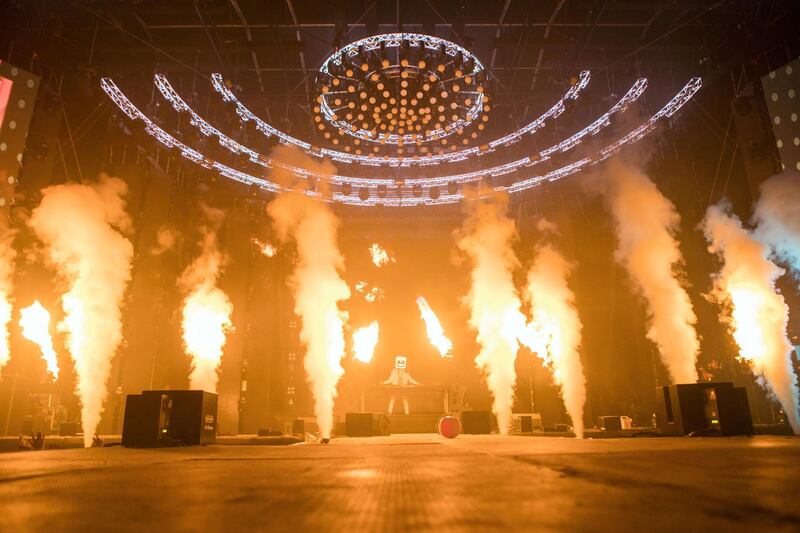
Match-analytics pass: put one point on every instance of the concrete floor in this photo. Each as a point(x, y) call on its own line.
point(411, 482)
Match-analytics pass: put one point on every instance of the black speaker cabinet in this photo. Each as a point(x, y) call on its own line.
point(367, 425)
point(609, 423)
point(169, 418)
point(711, 408)
point(476, 422)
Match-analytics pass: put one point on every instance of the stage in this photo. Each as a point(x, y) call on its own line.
point(411, 482)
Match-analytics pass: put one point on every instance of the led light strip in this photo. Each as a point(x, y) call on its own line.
point(672, 107)
point(246, 115)
point(632, 95)
point(171, 142)
point(676, 103)
point(394, 40)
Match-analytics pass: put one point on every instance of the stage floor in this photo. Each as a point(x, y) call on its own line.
point(411, 482)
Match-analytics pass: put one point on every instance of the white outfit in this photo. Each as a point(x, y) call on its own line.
point(400, 378)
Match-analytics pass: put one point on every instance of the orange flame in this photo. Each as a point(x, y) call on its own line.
point(206, 322)
point(35, 323)
point(434, 328)
point(364, 341)
point(371, 294)
point(265, 248)
point(379, 255)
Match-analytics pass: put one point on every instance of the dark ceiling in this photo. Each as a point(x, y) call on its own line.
point(272, 48)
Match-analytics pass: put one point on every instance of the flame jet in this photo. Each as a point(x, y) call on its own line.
point(7, 258)
point(646, 223)
point(434, 328)
point(206, 308)
point(265, 248)
point(316, 282)
point(759, 315)
point(80, 226)
point(486, 237)
point(777, 214)
point(379, 255)
point(555, 317)
point(364, 341)
point(34, 321)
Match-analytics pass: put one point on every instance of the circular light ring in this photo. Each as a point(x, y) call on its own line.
point(556, 110)
point(669, 110)
point(208, 130)
point(396, 40)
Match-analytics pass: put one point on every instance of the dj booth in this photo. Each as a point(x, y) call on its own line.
point(422, 399)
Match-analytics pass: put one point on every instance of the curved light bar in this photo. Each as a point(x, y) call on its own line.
point(180, 105)
point(127, 107)
point(394, 40)
point(672, 107)
point(417, 198)
point(246, 115)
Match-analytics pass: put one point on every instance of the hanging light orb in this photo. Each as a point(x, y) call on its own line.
point(391, 84)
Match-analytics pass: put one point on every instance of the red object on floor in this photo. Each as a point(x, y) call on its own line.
point(449, 426)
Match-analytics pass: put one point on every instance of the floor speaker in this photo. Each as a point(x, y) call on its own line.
point(366, 425)
point(476, 422)
point(708, 408)
point(169, 418)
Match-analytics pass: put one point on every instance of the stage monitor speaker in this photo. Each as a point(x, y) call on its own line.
point(708, 408)
point(609, 423)
point(367, 425)
point(140, 426)
point(476, 422)
point(170, 418)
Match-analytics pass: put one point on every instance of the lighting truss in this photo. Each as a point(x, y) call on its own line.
point(394, 40)
point(672, 107)
point(208, 130)
point(390, 196)
point(167, 140)
point(554, 112)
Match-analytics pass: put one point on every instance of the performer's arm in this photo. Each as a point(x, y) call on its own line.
point(392, 378)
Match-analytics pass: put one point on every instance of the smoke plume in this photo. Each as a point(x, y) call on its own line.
point(555, 317)
point(317, 284)
point(80, 226)
point(759, 315)
point(206, 308)
point(646, 223)
point(486, 237)
point(166, 237)
point(777, 214)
